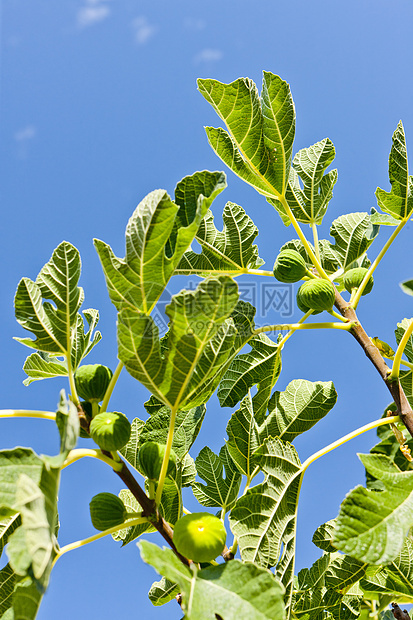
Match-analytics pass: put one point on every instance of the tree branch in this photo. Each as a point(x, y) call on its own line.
point(403, 407)
point(398, 613)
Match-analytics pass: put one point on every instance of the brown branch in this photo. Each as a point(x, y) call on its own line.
point(398, 613)
point(149, 509)
point(403, 407)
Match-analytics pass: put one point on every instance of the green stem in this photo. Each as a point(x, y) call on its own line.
point(301, 235)
point(80, 453)
point(111, 387)
point(338, 316)
point(151, 489)
point(297, 326)
point(25, 413)
point(258, 272)
point(95, 408)
point(165, 461)
point(359, 431)
point(398, 355)
point(86, 541)
point(73, 391)
point(376, 262)
point(315, 238)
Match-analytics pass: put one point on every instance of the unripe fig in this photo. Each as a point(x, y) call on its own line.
point(199, 536)
point(107, 510)
point(110, 430)
point(354, 277)
point(289, 266)
point(92, 381)
point(150, 457)
point(317, 294)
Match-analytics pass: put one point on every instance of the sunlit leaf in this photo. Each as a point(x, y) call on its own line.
point(395, 579)
point(228, 250)
point(162, 592)
point(243, 437)
point(232, 590)
point(219, 490)
point(264, 518)
point(297, 409)
point(262, 365)
point(399, 201)
point(258, 145)
point(196, 351)
point(309, 203)
point(156, 239)
point(353, 234)
point(372, 525)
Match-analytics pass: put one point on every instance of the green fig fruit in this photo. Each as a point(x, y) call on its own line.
point(317, 294)
point(289, 266)
point(150, 457)
point(354, 277)
point(200, 536)
point(110, 430)
point(107, 510)
point(92, 380)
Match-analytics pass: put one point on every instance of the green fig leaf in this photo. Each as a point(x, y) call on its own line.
point(258, 144)
point(372, 525)
point(219, 490)
point(399, 201)
point(231, 590)
point(196, 351)
point(137, 281)
point(229, 250)
point(309, 204)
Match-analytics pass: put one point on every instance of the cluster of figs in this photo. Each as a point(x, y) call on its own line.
point(198, 536)
point(315, 293)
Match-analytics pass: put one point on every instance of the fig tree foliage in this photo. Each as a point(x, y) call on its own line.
point(251, 487)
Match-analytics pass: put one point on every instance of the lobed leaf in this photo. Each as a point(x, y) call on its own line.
point(372, 525)
point(49, 308)
point(310, 203)
point(395, 579)
point(264, 518)
point(229, 250)
point(162, 592)
point(243, 437)
point(297, 409)
point(262, 366)
point(219, 490)
point(196, 350)
point(353, 234)
point(157, 235)
point(232, 590)
point(41, 365)
point(399, 201)
point(258, 144)
point(315, 600)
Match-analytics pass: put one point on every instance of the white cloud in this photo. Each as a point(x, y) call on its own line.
point(94, 11)
point(25, 133)
point(23, 137)
point(208, 55)
point(143, 30)
point(193, 23)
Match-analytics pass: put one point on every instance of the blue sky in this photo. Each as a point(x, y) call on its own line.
point(99, 106)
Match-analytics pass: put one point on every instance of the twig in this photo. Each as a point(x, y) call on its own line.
point(398, 613)
point(403, 408)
